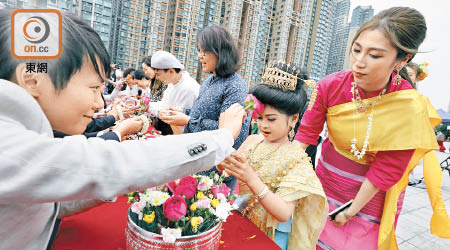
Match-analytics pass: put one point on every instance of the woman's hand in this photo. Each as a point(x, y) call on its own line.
point(340, 219)
point(174, 117)
point(237, 166)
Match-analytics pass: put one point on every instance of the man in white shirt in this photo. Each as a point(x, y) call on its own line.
point(182, 90)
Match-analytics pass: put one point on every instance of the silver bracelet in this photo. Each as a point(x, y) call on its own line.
point(263, 193)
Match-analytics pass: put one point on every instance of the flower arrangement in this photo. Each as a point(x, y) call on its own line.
point(423, 71)
point(188, 206)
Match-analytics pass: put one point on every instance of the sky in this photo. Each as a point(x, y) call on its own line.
point(435, 49)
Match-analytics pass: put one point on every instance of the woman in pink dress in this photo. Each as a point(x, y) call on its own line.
point(372, 115)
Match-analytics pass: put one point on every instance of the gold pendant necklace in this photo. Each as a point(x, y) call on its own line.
point(360, 106)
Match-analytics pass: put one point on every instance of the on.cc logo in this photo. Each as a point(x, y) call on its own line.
point(36, 29)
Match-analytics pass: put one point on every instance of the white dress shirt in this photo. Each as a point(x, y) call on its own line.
point(180, 95)
point(133, 91)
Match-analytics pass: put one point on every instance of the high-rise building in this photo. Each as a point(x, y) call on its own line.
point(19, 3)
point(339, 36)
point(96, 12)
point(299, 32)
point(62, 5)
point(295, 31)
point(273, 30)
point(351, 34)
point(254, 33)
point(321, 38)
point(360, 15)
point(139, 29)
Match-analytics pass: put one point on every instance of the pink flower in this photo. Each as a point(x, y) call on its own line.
point(138, 206)
point(174, 208)
point(224, 189)
point(253, 105)
point(203, 203)
point(187, 186)
point(202, 186)
point(146, 100)
point(135, 208)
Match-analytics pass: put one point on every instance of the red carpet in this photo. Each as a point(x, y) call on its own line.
point(103, 228)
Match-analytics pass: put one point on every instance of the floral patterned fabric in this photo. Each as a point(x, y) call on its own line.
point(157, 95)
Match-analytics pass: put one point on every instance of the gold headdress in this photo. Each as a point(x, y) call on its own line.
point(278, 78)
point(281, 79)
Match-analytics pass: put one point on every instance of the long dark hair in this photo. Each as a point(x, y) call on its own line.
point(155, 84)
point(218, 40)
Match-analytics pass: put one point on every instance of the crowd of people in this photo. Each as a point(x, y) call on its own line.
point(60, 134)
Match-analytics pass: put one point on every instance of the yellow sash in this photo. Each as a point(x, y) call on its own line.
point(401, 120)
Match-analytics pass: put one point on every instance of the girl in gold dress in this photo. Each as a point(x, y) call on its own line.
point(279, 190)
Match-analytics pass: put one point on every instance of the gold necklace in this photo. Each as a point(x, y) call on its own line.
point(356, 97)
point(252, 153)
point(359, 106)
point(252, 162)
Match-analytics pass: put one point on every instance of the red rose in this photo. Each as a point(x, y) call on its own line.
point(174, 208)
point(187, 186)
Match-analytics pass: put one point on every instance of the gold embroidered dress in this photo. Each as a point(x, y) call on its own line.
point(288, 172)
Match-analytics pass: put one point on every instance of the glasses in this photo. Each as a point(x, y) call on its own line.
point(201, 53)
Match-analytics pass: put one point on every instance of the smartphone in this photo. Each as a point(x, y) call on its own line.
point(335, 212)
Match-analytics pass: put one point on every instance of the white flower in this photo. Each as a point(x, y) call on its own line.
point(205, 183)
point(170, 235)
point(147, 196)
point(221, 197)
point(154, 197)
point(156, 201)
point(164, 196)
point(223, 210)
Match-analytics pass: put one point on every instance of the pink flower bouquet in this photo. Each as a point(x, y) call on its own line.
point(189, 206)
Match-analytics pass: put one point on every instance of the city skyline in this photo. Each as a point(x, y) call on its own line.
point(314, 34)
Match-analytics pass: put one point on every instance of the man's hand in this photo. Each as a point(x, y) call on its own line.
point(114, 112)
point(232, 119)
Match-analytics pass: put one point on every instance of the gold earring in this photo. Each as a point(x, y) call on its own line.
point(398, 78)
point(291, 134)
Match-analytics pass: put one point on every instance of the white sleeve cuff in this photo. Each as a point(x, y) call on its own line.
point(224, 138)
point(118, 135)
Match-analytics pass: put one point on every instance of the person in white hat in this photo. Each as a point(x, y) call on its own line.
point(180, 94)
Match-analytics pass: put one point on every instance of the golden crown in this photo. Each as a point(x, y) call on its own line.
point(280, 79)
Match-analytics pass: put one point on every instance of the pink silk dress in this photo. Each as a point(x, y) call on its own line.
point(341, 177)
